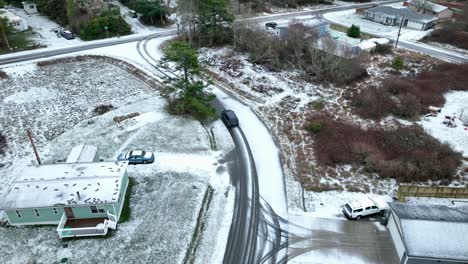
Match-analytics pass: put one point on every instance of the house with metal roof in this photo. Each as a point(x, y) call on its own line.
point(391, 16)
point(425, 234)
point(83, 199)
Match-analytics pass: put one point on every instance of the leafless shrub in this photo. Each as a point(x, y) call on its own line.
point(102, 109)
point(407, 154)
point(298, 50)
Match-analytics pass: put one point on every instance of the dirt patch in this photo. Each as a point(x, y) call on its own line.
point(119, 119)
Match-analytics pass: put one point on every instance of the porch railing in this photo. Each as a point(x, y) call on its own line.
point(64, 231)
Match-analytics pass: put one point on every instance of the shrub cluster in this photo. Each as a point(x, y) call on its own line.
point(96, 28)
point(354, 31)
point(382, 49)
point(102, 109)
point(407, 154)
point(3, 75)
point(410, 97)
point(450, 36)
point(296, 51)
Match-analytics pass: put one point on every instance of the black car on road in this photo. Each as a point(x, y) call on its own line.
point(229, 118)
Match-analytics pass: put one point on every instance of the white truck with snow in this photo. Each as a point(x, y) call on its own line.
point(364, 207)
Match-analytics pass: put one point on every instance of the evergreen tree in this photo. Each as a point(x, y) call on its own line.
point(354, 31)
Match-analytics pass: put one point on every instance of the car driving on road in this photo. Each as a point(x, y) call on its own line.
point(229, 118)
point(364, 207)
point(137, 157)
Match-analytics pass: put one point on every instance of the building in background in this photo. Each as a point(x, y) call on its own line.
point(429, 234)
point(391, 16)
point(15, 21)
point(426, 7)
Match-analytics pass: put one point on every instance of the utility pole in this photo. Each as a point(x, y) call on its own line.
point(399, 30)
point(34, 147)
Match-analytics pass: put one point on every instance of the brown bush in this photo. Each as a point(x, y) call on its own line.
point(3, 75)
point(407, 154)
point(410, 97)
point(102, 109)
point(373, 103)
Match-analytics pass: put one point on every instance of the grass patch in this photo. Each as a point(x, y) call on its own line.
point(126, 210)
point(19, 41)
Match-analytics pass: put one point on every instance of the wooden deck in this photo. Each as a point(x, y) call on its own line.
point(81, 223)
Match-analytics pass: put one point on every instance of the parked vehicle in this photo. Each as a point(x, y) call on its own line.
point(229, 118)
point(67, 34)
point(364, 207)
point(271, 25)
point(137, 157)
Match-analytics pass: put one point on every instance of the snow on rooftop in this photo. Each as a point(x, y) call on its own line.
point(66, 184)
point(426, 238)
point(9, 15)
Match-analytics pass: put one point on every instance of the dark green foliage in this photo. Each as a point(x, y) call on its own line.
point(191, 99)
point(354, 31)
point(407, 154)
point(95, 29)
point(185, 57)
point(314, 127)
point(2, 3)
point(152, 13)
point(55, 9)
point(126, 209)
point(188, 97)
point(398, 64)
point(16, 40)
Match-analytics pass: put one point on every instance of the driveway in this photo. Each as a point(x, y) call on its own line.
point(321, 240)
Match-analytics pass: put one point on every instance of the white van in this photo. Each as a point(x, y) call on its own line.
point(363, 207)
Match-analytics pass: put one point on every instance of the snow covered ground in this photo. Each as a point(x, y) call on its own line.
point(437, 201)
point(456, 104)
point(56, 103)
point(349, 17)
point(42, 26)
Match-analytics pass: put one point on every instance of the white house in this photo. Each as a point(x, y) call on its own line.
point(30, 8)
point(15, 21)
point(390, 16)
point(426, 7)
point(429, 234)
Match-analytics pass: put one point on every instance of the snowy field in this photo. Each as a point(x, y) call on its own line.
point(456, 104)
point(281, 99)
point(42, 27)
point(349, 17)
point(167, 195)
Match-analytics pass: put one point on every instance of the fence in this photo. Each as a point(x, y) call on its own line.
point(430, 191)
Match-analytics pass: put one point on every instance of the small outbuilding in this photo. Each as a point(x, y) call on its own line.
point(429, 234)
point(15, 21)
point(83, 199)
point(30, 8)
